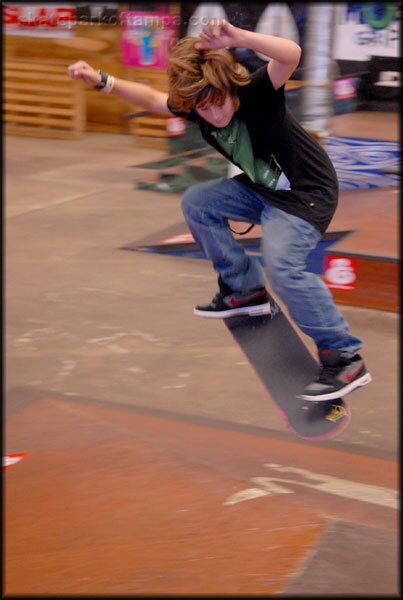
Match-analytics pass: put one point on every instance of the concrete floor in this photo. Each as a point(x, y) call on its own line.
point(144, 424)
point(85, 318)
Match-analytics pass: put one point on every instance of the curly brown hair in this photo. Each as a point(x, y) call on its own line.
point(202, 77)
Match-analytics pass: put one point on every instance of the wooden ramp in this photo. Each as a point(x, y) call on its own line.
point(114, 500)
point(372, 218)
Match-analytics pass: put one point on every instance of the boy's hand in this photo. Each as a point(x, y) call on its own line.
point(219, 34)
point(82, 70)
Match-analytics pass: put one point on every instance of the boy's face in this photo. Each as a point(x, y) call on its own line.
point(218, 115)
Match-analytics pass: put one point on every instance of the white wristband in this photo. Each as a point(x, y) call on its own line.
point(110, 82)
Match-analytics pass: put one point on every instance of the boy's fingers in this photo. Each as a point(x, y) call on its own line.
point(202, 46)
point(206, 34)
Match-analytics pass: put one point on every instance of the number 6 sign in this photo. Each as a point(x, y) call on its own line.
point(340, 272)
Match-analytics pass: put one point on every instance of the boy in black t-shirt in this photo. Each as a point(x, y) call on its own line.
point(246, 119)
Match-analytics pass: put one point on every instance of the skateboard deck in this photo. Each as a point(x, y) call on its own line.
point(285, 366)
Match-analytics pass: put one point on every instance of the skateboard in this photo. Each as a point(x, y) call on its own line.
point(285, 366)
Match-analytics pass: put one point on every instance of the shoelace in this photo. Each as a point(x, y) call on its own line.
point(216, 298)
point(328, 373)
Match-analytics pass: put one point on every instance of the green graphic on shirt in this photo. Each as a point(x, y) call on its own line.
point(235, 140)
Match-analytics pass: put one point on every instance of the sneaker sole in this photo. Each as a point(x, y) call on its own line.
point(250, 311)
point(339, 393)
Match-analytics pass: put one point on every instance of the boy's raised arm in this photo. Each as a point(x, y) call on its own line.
point(135, 93)
point(284, 54)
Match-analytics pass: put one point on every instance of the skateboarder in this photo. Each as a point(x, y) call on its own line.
point(244, 116)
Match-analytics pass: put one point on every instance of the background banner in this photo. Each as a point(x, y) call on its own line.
point(145, 38)
point(39, 19)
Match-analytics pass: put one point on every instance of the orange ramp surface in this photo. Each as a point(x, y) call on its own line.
point(115, 500)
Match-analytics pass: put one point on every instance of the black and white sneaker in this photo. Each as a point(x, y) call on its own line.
point(339, 375)
point(230, 304)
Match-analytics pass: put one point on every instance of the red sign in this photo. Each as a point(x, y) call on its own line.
point(11, 459)
point(179, 239)
point(176, 126)
point(340, 272)
point(344, 88)
point(53, 20)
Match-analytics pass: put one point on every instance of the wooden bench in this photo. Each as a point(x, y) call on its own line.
point(41, 101)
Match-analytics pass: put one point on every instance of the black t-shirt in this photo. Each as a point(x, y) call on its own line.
point(263, 139)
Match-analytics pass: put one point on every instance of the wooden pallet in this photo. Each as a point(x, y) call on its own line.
point(150, 130)
point(40, 100)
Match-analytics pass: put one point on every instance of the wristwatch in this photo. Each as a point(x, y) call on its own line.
point(102, 83)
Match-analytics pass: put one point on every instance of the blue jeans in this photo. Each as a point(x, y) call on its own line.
point(286, 242)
